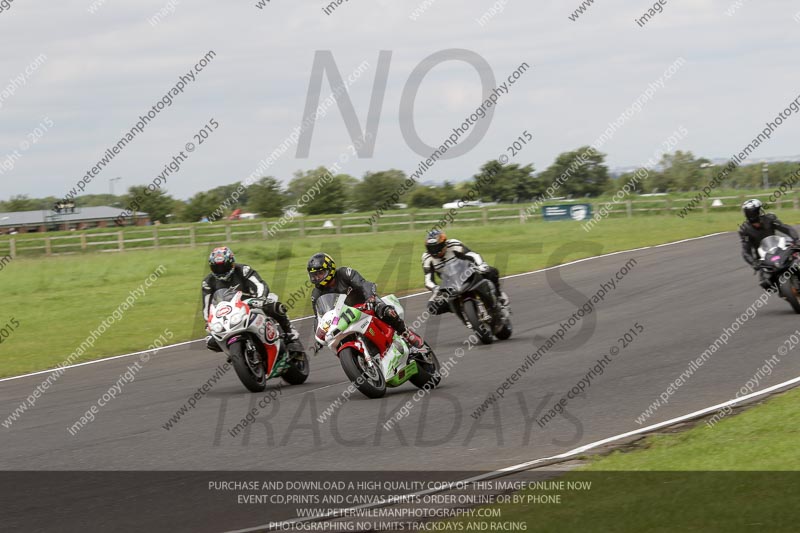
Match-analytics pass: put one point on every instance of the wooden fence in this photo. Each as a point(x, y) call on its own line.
point(193, 235)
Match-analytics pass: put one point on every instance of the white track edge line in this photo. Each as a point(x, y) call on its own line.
point(111, 358)
point(338, 513)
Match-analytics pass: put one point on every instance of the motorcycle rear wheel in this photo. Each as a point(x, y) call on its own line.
point(427, 375)
point(505, 331)
point(371, 383)
point(298, 370)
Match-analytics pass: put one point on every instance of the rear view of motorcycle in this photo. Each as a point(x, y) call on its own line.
point(475, 301)
point(780, 259)
point(253, 342)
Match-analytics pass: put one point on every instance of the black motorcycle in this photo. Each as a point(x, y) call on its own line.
point(779, 259)
point(474, 300)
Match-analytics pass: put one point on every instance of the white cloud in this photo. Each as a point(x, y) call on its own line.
point(107, 68)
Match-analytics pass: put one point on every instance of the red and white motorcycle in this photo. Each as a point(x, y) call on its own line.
point(253, 342)
point(372, 354)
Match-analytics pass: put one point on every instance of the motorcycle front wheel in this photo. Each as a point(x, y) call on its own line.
point(368, 380)
point(483, 332)
point(789, 291)
point(248, 366)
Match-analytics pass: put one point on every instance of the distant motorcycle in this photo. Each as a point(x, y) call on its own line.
point(372, 354)
point(779, 258)
point(474, 300)
point(253, 342)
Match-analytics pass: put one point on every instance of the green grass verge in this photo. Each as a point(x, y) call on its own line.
point(58, 301)
point(178, 234)
point(740, 475)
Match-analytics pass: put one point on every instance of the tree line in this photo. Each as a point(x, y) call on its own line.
point(511, 183)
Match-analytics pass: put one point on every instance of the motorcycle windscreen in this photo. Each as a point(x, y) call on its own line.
point(327, 302)
point(324, 305)
point(456, 273)
point(224, 295)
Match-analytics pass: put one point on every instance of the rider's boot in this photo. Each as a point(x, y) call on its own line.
point(503, 299)
point(500, 313)
point(414, 341)
point(291, 335)
point(292, 339)
point(212, 345)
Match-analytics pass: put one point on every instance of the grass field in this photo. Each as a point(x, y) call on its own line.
point(182, 234)
point(740, 475)
point(58, 301)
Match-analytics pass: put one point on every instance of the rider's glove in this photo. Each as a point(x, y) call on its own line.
point(440, 295)
point(483, 268)
point(371, 302)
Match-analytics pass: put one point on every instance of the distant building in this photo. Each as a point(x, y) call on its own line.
point(78, 218)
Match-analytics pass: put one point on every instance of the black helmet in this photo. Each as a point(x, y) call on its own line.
point(222, 262)
point(321, 269)
point(753, 209)
point(435, 242)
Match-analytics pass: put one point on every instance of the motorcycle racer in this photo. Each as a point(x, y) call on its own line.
point(327, 279)
point(226, 273)
point(438, 251)
point(757, 226)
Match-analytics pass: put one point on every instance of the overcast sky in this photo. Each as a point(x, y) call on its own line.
point(104, 69)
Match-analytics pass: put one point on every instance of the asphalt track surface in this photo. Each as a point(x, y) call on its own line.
point(683, 295)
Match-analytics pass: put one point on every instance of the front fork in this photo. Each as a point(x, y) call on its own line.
point(359, 344)
point(367, 356)
point(249, 351)
point(794, 282)
point(483, 313)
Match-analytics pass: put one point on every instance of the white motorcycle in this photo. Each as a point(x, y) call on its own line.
point(253, 342)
